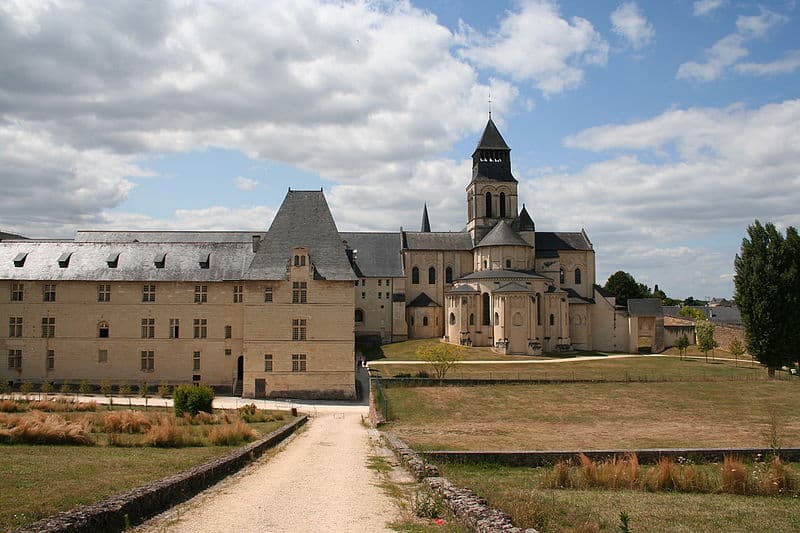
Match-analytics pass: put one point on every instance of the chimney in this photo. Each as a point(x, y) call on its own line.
point(256, 242)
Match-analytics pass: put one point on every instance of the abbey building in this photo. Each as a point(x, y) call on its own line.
point(277, 313)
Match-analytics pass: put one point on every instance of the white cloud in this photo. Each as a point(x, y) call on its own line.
point(245, 184)
point(789, 63)
point(731, 48)
point(702, 8)
point(629, 23)
point(534, 43)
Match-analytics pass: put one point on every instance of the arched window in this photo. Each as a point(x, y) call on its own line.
point(359, 315)
point(502, 205)
point(538, 309)
point(452, 319)
point(297, 260)
point(577, 276)
point(561, 275)
point(517, 319)
point(552, 319)
point(488, 205)
point(497, 319)
point(102, 330)
point(448, 275)
point(424, 321)
point(484, 264)
point(508, 263)
point(411, 320)
point(487, 313)
point(431, 276)
point(472, 319)
point(415, 276)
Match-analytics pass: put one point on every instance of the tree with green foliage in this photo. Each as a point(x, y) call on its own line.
point(767, 285)
point(682, 344)
point(736, 348)
point(143, 392)
point(84, 387)
point(624, 287)
point(192, 399)
point(26, 388)
point(65, 388)
point(46, 388)
point(442, 356)
point(105, 390)
point(3, 388)
point(692, 313)
point(125, 391)
point(705, 336)
point(164, 389)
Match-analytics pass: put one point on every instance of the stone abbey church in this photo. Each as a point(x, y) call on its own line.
point(276, 313)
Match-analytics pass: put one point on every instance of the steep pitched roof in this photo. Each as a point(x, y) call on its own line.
point(491, 138)
point(524, 222)
point(166, 236)
point(502, 235)
point(415, 240)
point(423, 300)
point(303, 219)
point(377, 254)
point(10, 236)
point(645, 307)
point(548, 240)
point(426, 224)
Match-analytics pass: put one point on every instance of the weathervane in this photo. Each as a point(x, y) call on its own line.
point(490, 103)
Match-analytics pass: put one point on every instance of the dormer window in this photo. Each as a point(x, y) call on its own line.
point(63, 260)
point(19, 260)
point(205, 260)
point(160, 260)
point(113, 260)
point(299, 260)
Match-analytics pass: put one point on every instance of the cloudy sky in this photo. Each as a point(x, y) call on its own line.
point(664, 127)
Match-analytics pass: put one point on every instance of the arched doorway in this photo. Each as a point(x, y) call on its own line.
point(237, 391)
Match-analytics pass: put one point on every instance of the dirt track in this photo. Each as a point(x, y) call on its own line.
point(318, 481)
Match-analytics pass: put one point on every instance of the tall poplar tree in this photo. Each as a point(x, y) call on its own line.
point(768, 294)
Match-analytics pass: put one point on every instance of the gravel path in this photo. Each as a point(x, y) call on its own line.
point(318, 481)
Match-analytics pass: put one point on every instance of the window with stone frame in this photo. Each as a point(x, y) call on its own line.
point(268, 295)
point(148, 293)
point(50, 362)
point(228, 332)
point(104, 292)
point(415, 276)
point(148, 328)
point(148, 361)
point(448, 275)
point(267, 362)
point(299, 329)
point(102, 356)
point(577, 276)
point(15, 326)
point(15, 359)
point(299, 292)
point(17, 292)
point(196, 362)
point(48, 327)
point(200, 294)
point(238, 294)
point(431, 276)
point(298, 362)
point(49, 292)
point(200, 328)
point(562, 277)
point(174, 328)
point(102, 330)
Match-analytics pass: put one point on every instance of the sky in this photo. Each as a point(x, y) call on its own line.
point(662, 127)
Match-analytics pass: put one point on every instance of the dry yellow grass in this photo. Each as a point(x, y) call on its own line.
point(38, 428)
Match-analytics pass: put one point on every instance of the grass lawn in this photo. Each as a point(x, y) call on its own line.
point(407, 351)
point(39, 480)
point(516, 491)
point(649, 368)
point(595, 416)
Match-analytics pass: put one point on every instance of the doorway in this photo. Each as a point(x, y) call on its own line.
point(240, 368)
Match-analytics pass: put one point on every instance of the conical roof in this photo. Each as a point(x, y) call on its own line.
point(491, 138)
point(524, 221)
point(426, 224)
point(502, 235)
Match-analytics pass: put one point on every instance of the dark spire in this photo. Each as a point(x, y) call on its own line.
point(426, 224)
point(491, 159)
point(525, 221)
point(491, 138)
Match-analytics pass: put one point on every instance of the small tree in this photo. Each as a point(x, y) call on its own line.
point(84, 387)
point(46, 388)
point(692, 313)
point(65, 388)
point(3, 388)
point(105, 390)
point(143, 391)
point(681, 344)
point(441, 356)
point(164, 390)
point(192, 399)
point(126, 391)
point(26, 388)
point(705, 336)
point(736, 348)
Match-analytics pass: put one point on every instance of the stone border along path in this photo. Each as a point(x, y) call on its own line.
point(318, 481)
point(381, 362)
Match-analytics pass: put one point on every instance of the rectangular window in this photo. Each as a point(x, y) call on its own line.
point(102, 356)
point(268, 295)
point(200, 328)
point(15, 326)
point(196, 362)
point(174, 328)
point(379, 282)
point(363, 282)
point(51, 359)
point(149, 293)
point(227, 352)
point(17, 292)
point(148, 361)
point(299, 292)
point(48, 327)
point(228, 332)
point(238, 291)
point(268, 362)
point(104, 293)
point(148, 328)
point(299, 329)
point(200, 294)
point(379, 296)
point(387, 295)
point(363, 295)
point(356, 283)
point(298, 362)
point(49, 292)
point(102, 330)
point(15, 359)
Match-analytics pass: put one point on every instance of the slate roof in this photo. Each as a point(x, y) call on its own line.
point(491, 138)
point(303, 219)
point(378, 254)
point(463, 289)
point(604, 293)
point(500, 274)
point(136, 261)
point(644, 307)
point(524, 222)
point(575, 298)
point(7, 236)
point(425, 227)
point(512, 287)
point(502, 235)
point(550, 240)
point(491, 159)
point(423, 300)
point(166, 236)
point(454, 241)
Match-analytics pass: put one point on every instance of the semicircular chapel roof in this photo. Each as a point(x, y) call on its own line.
point(502, 235)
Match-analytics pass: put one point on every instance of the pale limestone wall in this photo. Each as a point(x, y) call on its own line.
point(374, 297)
point(399, 324)
point(478, 224)
point(609, 326)
point(497, 257)
point(580, 326)
point(572, 260)
point(514, 314)
point(673, 333)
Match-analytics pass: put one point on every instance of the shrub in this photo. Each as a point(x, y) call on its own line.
point(10, 406)
point(734, 476)
point(3, 387)
point(126, 422)
point(192, 399)
point(46, 387)
point(427, 505)
point(47, 406)
point(558, 478)
point(65, 388)
point(26, 387)
point(142, 389)
point(205, 418)
point(232, 435)
point(778, 479)
point(85, 406)
point(105, 388)
point(125, 389)
point(164, 390)
point(38, 428)
point(84, 387)
point(422, 374)
point(250, 414)
point(167, 434)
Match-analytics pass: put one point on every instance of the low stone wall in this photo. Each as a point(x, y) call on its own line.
point(649, 456)
point(119, 511)
point(410, 458)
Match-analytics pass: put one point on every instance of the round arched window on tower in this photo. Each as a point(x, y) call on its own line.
point(452, 319)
